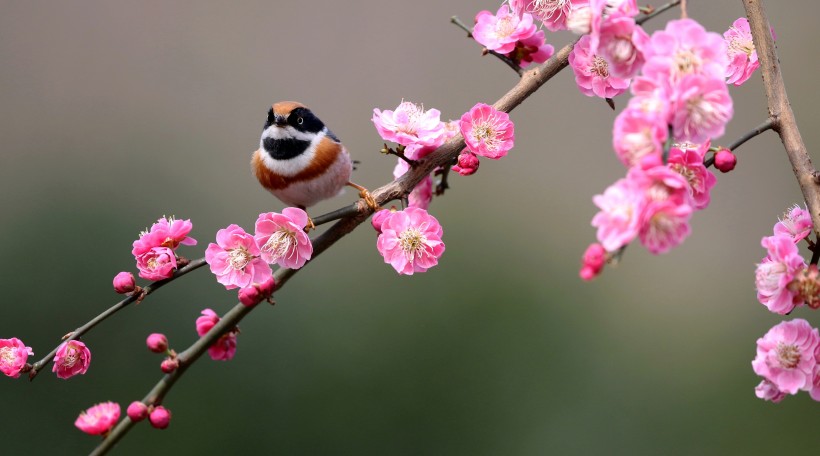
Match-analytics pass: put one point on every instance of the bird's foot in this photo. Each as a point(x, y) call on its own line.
point(366, 196)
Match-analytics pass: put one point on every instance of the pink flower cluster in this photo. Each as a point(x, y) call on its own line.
point(241, 260)
point(154, 250)
point(782, 278)
point(409, 240)
point(788, 359)
point(513, 35)
point(224, 348)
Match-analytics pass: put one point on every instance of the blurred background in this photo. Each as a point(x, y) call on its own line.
point(116, 113)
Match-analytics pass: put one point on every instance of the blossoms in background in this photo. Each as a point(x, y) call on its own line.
point(787, 360)
point(224, 348)
point(13, 356)
point(592, 72)
point(72, 358)
point(410, 240)
point(741, 52)
point(795, 224)
point(99, 419)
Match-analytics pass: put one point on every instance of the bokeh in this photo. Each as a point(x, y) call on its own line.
point(116, 113)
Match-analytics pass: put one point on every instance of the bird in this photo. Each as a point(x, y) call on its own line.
point(299, 160)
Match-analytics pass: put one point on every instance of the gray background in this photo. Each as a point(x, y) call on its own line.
point(115, 113)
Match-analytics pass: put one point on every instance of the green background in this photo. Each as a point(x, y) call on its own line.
point(115, 113)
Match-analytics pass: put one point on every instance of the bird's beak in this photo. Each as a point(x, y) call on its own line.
point(280, 121)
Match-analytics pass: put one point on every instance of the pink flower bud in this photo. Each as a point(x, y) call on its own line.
point(169, 365)
point(725, 160)
point(137, 411)
point(160, 417)
point(157, 343)
point(593, 261)
point(258, 292)
point(379, 218)
point(267, 287)
point(467, 163)
point(124, 282)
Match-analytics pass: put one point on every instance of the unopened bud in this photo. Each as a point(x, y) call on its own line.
point(467, 163)
point(379, 218)
point(157, 343)
point(137, 411)
point(169, 365)
point(160, 417)
point(124, 283)
point(725, 160)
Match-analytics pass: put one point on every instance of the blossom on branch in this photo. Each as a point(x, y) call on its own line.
point(786, 356)
point(512, 35)
point(72, 358)
point(281, 238)
point(741, 52)
point(795, 223)
point(776, 272)
point(235, 259)
point(592, 73)
point(13, 356)
point(409, 124)
point(487, 131)
point(410, 240)
point(99, 419)
point(224, 348)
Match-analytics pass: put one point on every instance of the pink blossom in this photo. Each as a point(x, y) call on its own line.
point(620, 43)
point(592, 72)
point(282, 239)
point(600, 13)
point(701, 109)
point(99, 419)
point(379, 218)
point(258, 292)
point(618, 221)
point(768, 391)
point(776, 272)
point(725, 160)
point(665, 224)
point(124, 282)
point(741, 52)
point(169, 364)
point(501, 31)
point(235, 259)
point(157, 342)
point(410, 241)
point(167, 232)
point(137, 411)
point(659, 182)
point(553, 13)
point(72, 358)
point(533, 48)
point(684, 48)
point(158, 263)
point(224, 348)
point(467, 163)
point(410, 124)
point(487, 131)
point(636, 135)
point(160, 417)
point(422, 193)
point(688, 162)
point(13, 356)
point(651, 99)
point(796, 224)
point(786, 356)
point(593, 261)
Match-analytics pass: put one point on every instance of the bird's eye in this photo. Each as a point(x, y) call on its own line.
point(299, 120)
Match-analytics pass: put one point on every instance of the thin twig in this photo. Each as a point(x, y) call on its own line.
point(77, 333)
point(655, 12)
point(767, 125)
point(780, 111)
point(510, 62)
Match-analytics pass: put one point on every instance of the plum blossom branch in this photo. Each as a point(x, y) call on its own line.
point(137, 296)
point(765, 126)
point(780, 111)
point(349, 218)
point(455, 20)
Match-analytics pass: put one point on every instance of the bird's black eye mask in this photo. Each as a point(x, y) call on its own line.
point(270, 120)
point(304, 120)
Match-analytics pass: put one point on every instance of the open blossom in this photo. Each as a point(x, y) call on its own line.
point(796, 224)
point(224, 348)
point(533, 48)
point(501, 31)
point(166, 232)
point(282, 239)
point(410, 241)
point(636, 135)
point(776, 272)
point(620, 43)
point(741, 52)
point(13, 356)
point(688, 162)
point(786, 356)
point(620, 207)
point(72, 358)
point(99, 419)
point(487, 131)
point(553, 13)
point(665, 224)
point(235, 259)
point(701, 109)
point(157, 263)
point(410, 124)
point(684, 48)
point(592, 72)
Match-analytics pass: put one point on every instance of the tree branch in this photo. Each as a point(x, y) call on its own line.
point(780, 111)
point(765, 126)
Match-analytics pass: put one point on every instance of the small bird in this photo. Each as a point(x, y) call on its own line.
point(300, 160)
